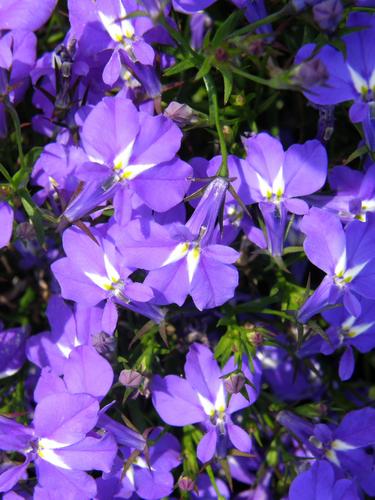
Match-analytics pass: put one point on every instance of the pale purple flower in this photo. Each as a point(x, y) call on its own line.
point(276, 180)
point(201, 398)
point(25, 14)
point(12, 351)
point(6, 223)
point(346, 256)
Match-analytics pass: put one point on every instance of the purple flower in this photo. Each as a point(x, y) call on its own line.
point(148, 475)
point(201, 398)
point(350, 79)
point(136, 154)
point(276, 180)
point(320, 482)
point(61, 449)
point(346, 256)
point(341, 447)
point(95, 272)
point(182, 259)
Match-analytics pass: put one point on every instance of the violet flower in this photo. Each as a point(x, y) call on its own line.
point(92, 273)
point(346, 256)
point(182, 259)
point(148, 476)
point(201, 398)
point(25, 14)
point(62, 449)
point(342, 446)
point(276, 180)
point(350, 79)
point(132, 154)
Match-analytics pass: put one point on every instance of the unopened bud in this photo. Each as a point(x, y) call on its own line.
point(313, 72)
point(130, 378)
point(327, 14)
point(186, 484)
point(182, 114)
point(234, 383)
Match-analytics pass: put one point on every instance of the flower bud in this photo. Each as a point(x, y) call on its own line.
point(105, 344)
point(182, 114)
point(313, 72)
point(234, 383)
point(327, 14)
point(186, 484)
point(130, 378)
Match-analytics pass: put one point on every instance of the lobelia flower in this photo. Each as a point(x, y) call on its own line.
point(349, 332)
point(93, 273)
point(276, 179)
point(201, 398)
point(182, 259)
point(351, 78)
point(342, 447)
point(320, 482)
point(61, 449)
point(6, 223)
point(126, 35)
point(134, 152)
point(148, 476)
point(12, 350)
point(347, 258)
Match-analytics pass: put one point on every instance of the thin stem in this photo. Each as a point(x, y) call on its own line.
point(17, 128)
point(215, 115)
point(276, 16)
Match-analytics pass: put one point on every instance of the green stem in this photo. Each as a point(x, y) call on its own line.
point(276, 16)
point(17, 128)
point(215, 116)
point(253, 78)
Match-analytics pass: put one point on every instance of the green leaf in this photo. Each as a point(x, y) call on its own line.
point(204, 69)
point(228, 82)
point(181, 66)
point(226, 28)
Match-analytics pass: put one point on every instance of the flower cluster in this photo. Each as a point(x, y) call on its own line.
point(187, 238)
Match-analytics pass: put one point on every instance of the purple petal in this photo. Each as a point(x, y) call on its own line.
point(305, 168)
point(78, 413)
point(14, 436)
point(202, 371)
point(296, 206)
point(25, 14)
point(213, 283)
point(153, 485)
point(138, 292)
point(158, 140)
point(11, 476)
point(347, 364)
point(76, 485)
point(239, 438)
point(325, 241)
point(12, 351)
point(315, 484)
point(103, 144)
point(175, 401)
point(112, 69)
point(6, 222)
point(265, 155)
point(163, 186)
point(81, 372)
point(90, 453)
point(357, 428)
point(207, 446)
